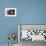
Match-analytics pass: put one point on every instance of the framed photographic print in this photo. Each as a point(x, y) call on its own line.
point(33, 32)
point(10, 11)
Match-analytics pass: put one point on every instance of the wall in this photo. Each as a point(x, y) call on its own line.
point(28, 12)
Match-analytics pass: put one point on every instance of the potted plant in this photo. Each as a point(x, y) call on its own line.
point(11, 37)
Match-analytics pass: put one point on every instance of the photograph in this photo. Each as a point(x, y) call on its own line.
point(10, 11)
